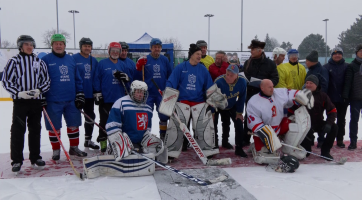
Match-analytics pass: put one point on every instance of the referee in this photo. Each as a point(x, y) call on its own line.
point(26, 78)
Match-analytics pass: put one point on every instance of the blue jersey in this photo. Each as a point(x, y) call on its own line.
point(65, 78)
point(158, 69)
point(105, 82)
point(86, 71)
point(191, 81)
point(129, 117)
point(132, 68)
point(233, 92)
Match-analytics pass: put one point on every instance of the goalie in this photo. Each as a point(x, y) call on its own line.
point(265, 119)
point(128, 127)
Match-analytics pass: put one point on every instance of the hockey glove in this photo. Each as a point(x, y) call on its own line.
point(305, 97)
point(79, 100)
point(43, 103)
point(140, 63)
point(121, 145)
point(98, 98)
point(121, 76)
point(327, 128)
point(35, 93)
point(152, 144)
point(24, 95)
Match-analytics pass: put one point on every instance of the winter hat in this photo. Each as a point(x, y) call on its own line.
point(256, 44)
point(359, 47)
point(313, 56)
point(313, 79)
point(337, 50)
point(201, 43)
point(193, 48)
point(233, 68)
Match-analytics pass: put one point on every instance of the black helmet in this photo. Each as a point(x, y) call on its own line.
point(288, 163)
point(85, 41)
point(24, 38)
point(124, 45)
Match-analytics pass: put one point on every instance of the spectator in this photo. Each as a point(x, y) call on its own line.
point(353, 92)
point(336, 68)
point(316, 69)
point(219, 67)
point(205, 59)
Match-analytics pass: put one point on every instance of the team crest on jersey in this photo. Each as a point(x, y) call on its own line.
point(274, 111)
point(63, 69)
point(87, 68)
point(192, 78)
point(156, 68)
point(142, 121)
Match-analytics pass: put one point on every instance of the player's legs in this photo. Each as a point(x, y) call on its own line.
point(225, 121)
point(55, 112)
point(34, 128)
point(88, 125)
point(163, 118)
point(103, 117)
point(17, 132)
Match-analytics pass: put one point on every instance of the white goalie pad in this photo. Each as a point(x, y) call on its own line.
point(305, 98)
point(152, 144)
point(121, 145)
point(297, 132)
point(169, 99)
point(104, 165)
point(263, 156)
point(174, 135)
point(215, 98)
point(203, 127)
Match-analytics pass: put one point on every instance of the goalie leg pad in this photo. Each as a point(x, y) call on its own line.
point(203, 127)
point(174, 135)
point(263, 156)
point(269, 138)
point(104, 165)
point(121, 145)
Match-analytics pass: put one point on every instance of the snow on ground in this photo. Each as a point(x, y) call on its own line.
point(311, 181)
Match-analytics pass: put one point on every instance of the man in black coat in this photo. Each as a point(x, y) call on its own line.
point(260, 67)
point(336, 68)
point(352, 92)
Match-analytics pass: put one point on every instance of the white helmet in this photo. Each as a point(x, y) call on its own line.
point(139, 85)
point(277, 51)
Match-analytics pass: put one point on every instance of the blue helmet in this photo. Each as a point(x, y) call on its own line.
point(293, 52)
point(155, 41)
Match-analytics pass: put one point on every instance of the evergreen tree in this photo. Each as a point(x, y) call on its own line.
point(287, 46)
point(312, 42)
point(349, 39)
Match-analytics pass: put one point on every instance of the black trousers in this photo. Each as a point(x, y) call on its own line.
point(341, 119)
point(103, 115)
point(238, 125)
point(88, 125)
point(25, 111)
point(328, 142)
point(216, 121)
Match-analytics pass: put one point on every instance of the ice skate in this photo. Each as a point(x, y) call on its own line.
point(90, 144)
point(77, 152)
point(38, 164)
point(56, 156)
point(16, 168)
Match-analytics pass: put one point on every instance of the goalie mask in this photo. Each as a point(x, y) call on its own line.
point(139, 92)
point(288, 164)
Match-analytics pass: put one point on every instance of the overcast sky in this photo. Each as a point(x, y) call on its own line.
point(105, 21)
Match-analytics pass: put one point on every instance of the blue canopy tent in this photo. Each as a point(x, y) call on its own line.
point(142, 44)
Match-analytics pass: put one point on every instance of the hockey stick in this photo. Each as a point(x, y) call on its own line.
point(195, 146)
point(340, 162)
point(143, 73)
point(79, 175)
point(198, 181)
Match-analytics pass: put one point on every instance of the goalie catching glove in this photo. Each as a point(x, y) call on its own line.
point(215, 98)
point(152, 144)
point(305, 98)
point(121, 145)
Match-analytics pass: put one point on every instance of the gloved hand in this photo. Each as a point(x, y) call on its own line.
point(35, 93)
point(79, 100)
point(24, 95)
point(121, 76)
point(140, 63)
point(43, 103)
point(98, 98)
point(327, 128)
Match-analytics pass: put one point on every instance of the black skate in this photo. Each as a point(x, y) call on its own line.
point(91, 144)
point(56, 155)
point(16, 168)
point(75, 151)
point(38, 164)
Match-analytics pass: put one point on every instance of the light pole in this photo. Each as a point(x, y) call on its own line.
point(57, 19)
point(242, 2)
point(0, 34)
point(73, 11)
point(208, 42)
point(326, 20)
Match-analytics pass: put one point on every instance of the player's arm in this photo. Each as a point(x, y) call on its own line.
point(9, 75)
point(331, 110)
point(174, 78)
point(114, 122)
point(44, 85)
point(255, 121)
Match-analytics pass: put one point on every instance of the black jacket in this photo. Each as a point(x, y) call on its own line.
point(353, 82)
point(336, 79)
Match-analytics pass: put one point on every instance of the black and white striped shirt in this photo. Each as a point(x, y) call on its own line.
point(25, 72)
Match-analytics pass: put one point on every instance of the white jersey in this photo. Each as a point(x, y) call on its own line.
point(263, 110)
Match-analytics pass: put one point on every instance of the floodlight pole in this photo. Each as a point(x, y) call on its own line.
point(326, 20)
point(73, 11)
point(208, 42)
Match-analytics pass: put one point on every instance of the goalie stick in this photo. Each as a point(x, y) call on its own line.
point(79, 175)
point(198, 181)
point(195, 146)
point(340, 162)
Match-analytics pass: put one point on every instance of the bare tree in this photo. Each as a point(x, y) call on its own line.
point(274, 42)
point(177, 46)
point(7, 44)
point(48, 34)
